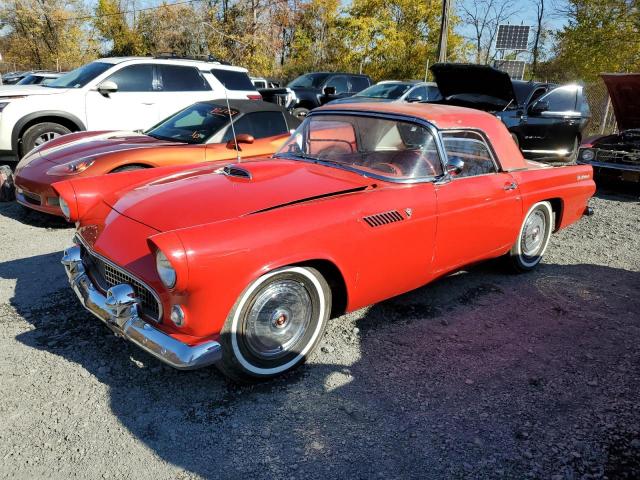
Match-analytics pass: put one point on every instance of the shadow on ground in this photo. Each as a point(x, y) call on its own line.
point(479, 374)
point(30, 217)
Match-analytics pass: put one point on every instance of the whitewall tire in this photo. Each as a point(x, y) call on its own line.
point(533, 238)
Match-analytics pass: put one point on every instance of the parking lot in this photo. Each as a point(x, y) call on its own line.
point(483, 374)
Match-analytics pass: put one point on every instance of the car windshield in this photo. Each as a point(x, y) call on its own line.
point(385, 90)
point(79, 77)
point(310, 80)
point(393, 149)
point(195, 124)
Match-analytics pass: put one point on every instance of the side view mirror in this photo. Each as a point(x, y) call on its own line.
point(240, 138)
point(107, 87)
point(415, 99)
point(454, 166)
point(539, 107)
point(329, 90)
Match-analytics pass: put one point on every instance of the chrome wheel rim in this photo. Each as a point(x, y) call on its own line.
point(45, 137)
point(278, 318)
point(533, 234)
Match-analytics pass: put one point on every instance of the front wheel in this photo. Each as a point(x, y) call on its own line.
point(41, 133)
point(533, 238)
point(275, 324)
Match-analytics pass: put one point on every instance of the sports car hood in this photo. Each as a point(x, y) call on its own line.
point(95, 145)
point(24, 90)
point(469, 79)
point(624, 90)
point(206, 195)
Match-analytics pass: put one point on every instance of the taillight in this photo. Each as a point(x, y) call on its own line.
point(254, 97)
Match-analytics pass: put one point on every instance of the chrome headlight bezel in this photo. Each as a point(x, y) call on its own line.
point(166, 272)
point(587, 155)
point(66, 211)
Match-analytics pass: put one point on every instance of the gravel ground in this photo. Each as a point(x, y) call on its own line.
point(480, 375)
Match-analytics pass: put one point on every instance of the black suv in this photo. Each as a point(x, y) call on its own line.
point(315, 89)
point(545, 120)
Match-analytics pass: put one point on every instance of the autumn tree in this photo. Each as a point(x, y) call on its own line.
point(483, 18)
point(45, 34)
point(113, 27)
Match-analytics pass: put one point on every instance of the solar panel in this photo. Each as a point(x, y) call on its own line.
point(515, 68)
point(512, 37)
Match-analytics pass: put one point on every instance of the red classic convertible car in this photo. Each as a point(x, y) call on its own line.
point(242, 266)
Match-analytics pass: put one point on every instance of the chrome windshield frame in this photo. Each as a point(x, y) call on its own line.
point(386, 116)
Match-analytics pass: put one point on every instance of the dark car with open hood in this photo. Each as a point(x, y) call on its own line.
point(618, 155)
point(545, 120)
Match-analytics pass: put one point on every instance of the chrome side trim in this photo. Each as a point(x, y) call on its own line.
point(78, 238)
point(119, 311)
point(612, 166)
point(560, 152)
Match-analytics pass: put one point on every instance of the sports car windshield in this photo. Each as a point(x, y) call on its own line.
point(195, 124)
point(394, 149)
point(385, 90)
point(79, 77)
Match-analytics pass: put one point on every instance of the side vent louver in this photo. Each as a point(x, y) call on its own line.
point(384, 218)
point(235, 171)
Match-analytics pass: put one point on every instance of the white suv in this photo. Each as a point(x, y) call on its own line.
point(128, 93)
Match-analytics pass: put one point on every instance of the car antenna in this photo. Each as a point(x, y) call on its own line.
point(233, 128)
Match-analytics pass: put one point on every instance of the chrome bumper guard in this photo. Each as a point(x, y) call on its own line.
point(119, 311)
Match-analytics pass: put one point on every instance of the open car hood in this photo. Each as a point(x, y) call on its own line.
point(468, 80)
point(207, 195)
point(624, 89)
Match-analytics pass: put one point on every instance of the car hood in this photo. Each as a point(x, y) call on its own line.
point(624, 90)
point(89, 146)
point(206, 195)
point(24, 90)
point(469, 79)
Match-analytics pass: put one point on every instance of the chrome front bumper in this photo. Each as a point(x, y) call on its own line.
point(119, 311)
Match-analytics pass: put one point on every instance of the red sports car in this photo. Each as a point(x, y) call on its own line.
point(201, 132)
point(242, 266)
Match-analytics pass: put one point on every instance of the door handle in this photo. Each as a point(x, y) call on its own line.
point(510, 186)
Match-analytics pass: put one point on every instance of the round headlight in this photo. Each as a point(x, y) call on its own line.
point(165, 271)
point(64, 206)
point(587, 155)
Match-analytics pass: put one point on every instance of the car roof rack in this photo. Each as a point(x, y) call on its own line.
point(198, 58)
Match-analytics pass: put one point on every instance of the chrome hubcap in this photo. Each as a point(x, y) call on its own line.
point(278, 318)
point(45, 137)
point(533, 234)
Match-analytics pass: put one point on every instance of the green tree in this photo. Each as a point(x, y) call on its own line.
point(600, 36)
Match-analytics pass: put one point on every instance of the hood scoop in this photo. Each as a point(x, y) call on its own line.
point(235, 171)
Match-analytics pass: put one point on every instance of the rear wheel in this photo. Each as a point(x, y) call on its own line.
point(275, 324)
point(533, 238)
point(41, 133)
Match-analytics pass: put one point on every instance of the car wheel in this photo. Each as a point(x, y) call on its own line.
point(300, 112)
point(533, 238)
point(40, 133)
point(127, 168)
point(275, 324)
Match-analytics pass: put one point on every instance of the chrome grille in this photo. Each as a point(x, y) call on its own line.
point(106, 276)
point(32, 198)
point(618, 156)
point(384, 218)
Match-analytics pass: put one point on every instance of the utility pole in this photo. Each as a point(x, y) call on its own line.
point(444, 31)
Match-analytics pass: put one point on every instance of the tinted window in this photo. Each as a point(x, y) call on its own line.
point(385, 90)
point(310, 80)
point(340, 84)
point(233, 79)
point(259, 124)
point(195, 124)
point(562, 99)
point(433, 93)
point(81, 76)
point(175, 78)
point(471, 149)
point(418, 94)
point(358, 83)
point(134, 78)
